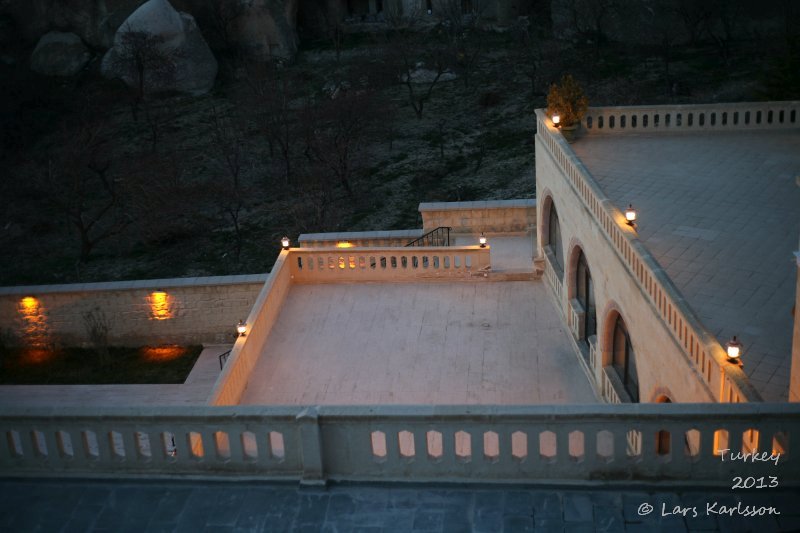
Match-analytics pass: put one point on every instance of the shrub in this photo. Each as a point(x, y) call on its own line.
point(568, 100)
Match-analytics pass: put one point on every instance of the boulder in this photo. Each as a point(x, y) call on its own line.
point(60, 54)
point(176, 57)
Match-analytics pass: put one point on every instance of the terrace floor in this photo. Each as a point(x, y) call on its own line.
point(168, 505)
point(719, 211)
point(471, 342)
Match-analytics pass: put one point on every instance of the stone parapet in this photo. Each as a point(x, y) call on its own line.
point(688, 118)
point(496, 216)
point(175, 310)
point(359, 239)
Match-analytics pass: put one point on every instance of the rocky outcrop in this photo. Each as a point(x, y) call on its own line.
point(60, 54)
point(172, 54)
point(264, 28)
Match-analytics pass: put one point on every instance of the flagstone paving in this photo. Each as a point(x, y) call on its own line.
point(719, 211)
point(193, 506)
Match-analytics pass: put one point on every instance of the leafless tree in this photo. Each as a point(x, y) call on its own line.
point(143, 62)
point(272, 97)
point(78, 183)
point(224, 15)
point(229, 189)
point(343, 125)
point(405, 54)
point(694, 16)
point(528, 54)
point(331, 22)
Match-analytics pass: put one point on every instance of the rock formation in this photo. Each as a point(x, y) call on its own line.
point(164, 48)
point(60, 54)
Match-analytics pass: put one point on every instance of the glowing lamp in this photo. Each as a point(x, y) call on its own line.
point(241, 328)
point(285, 243)
point(734, 349)
point(344, 244)
point(556, 120)
point(630, 215)
point(482, 240)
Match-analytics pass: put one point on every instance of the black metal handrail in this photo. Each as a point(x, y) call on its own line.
point(437, 237)
point(223, 357)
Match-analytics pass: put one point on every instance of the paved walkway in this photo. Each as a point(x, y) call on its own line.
point(719, 213)
point(418, 343)
point(56, 506)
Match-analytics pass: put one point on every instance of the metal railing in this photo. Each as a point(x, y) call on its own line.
point(437, 237)
point(223, 358)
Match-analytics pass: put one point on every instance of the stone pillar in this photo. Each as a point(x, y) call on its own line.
point(310, 447)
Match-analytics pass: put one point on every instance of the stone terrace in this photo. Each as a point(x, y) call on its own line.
point(418, 343)
point(719, 212)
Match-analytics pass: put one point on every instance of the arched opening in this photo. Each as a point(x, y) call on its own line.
point(554, 236)
point(584, 293)
point(624, 359)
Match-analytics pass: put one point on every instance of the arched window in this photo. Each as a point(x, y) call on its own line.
point(554, 236)
point(584, 292)
point(624, 360)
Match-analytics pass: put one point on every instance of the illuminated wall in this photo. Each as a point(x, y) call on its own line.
point(200, 310)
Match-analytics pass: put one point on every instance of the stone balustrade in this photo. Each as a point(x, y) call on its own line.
point(335, 265)
point(727, 382)
point(686, 118)
point(645, 442)
point(496, 216)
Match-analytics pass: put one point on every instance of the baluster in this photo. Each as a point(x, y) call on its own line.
point(235, 444)
point(54, 455)
point(79, 453)
point(104, 452)
point(130, 446)
point(26, 437)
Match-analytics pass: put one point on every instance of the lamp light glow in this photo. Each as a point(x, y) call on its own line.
point(482, 240)
point(285, 243)
point(630, 215)
point(734, 349)
point(241, 328)
point(556, 118)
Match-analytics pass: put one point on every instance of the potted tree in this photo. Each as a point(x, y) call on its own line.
point(568, 101)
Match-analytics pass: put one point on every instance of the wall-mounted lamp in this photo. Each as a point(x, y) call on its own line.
point(734, 349)
point(556, 118)
point(241, 328)
point(630, 215)
point(285, 243)
point(482, 240)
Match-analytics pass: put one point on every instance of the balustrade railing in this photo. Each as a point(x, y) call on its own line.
point(725, 116)
point(726, 382)
point(387, 264)
point(553, 277)
point(397, 443)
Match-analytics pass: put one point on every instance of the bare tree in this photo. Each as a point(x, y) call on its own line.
point(271, 92)
point(144, 63)
point(229, 189)
point(78, 183)
point(343, 124)
point(528, 48)
point(694, 16)
point(407, 56)
point(225, 14)
point(331, 22)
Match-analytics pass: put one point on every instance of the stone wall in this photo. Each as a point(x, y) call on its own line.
point(663, 368)
point(190, 310)
point(496, 216)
